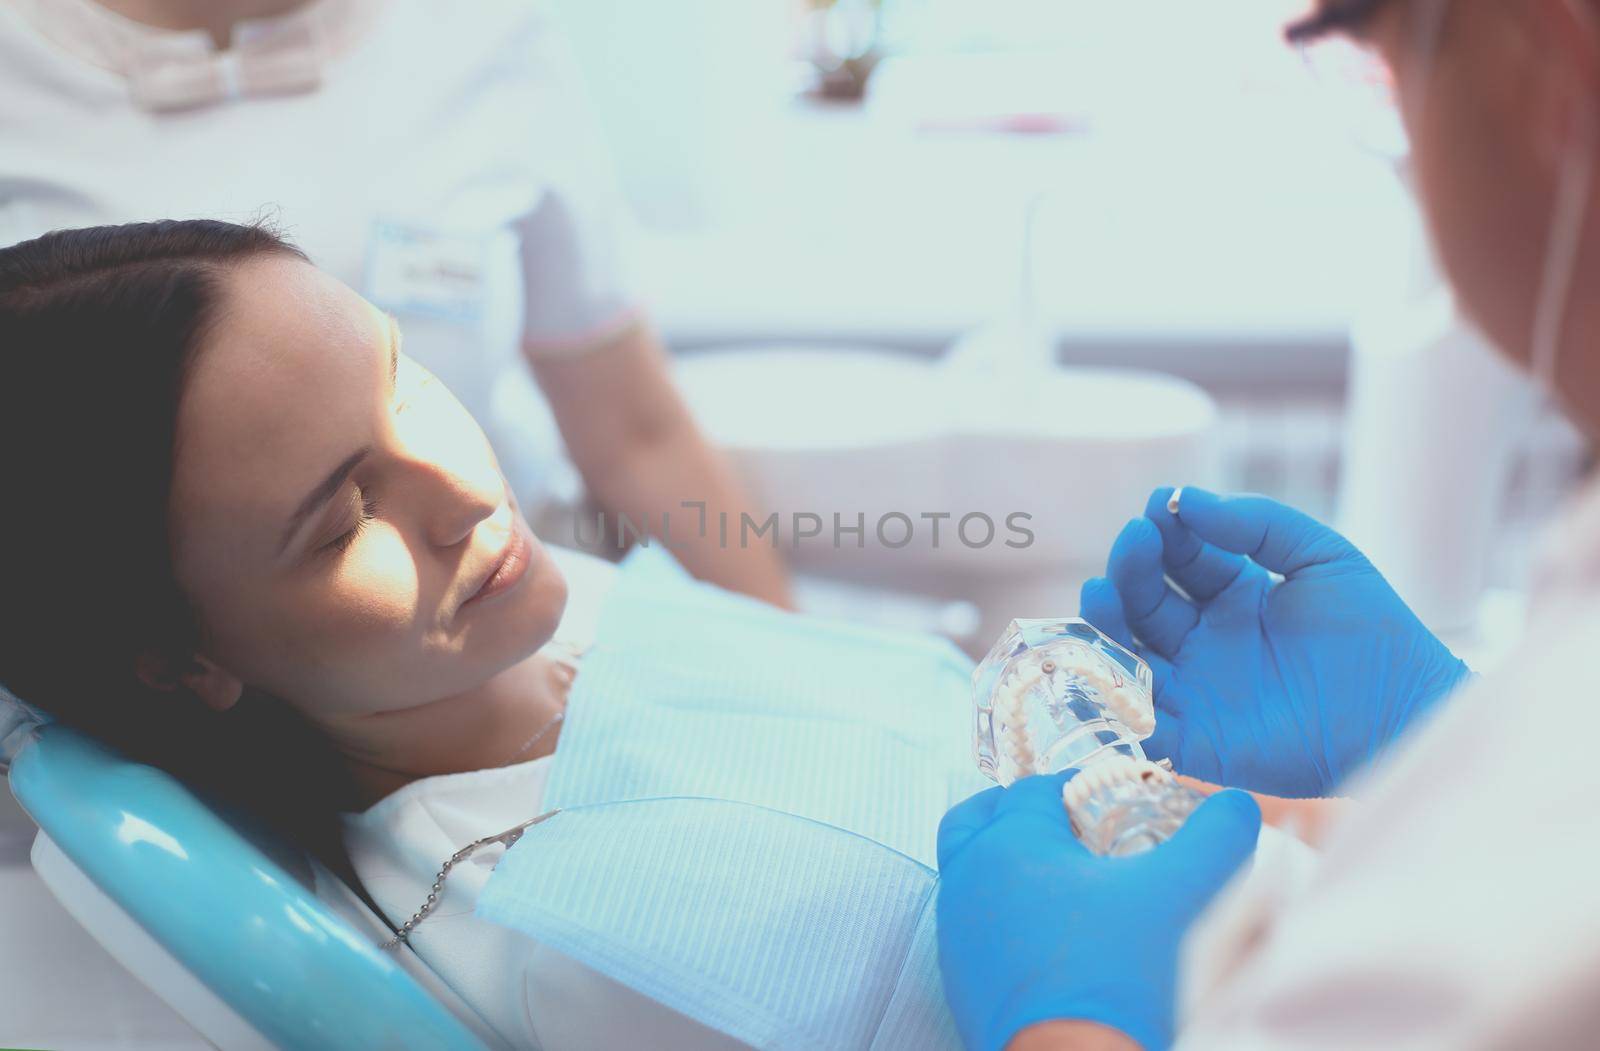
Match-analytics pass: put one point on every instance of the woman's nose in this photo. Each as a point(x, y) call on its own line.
point(456, 478)
point(456, 509)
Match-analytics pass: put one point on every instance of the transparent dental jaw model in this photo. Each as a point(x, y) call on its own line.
point(1058, 694)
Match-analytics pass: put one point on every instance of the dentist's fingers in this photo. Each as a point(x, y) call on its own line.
point(1201, 570)
point(1274, 535)
point(1035, 804)
point(1218, 838)
point(1038, 794)
point(1157, 614)
point(1161, 674)
point(965, 820)
point(1100, 605)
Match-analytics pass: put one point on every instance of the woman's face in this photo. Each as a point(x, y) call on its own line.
point(300, 414)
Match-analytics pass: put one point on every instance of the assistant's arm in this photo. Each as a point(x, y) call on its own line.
point(642, 454)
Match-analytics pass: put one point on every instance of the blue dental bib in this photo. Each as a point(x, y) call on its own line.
point(749, 805)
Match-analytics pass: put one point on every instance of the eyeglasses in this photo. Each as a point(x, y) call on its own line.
point(1334, 17)
point(1354, 81)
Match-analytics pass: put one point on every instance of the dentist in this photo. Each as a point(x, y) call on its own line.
point(1456, 904)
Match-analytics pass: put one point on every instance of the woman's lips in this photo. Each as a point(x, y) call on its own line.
point(511, 568)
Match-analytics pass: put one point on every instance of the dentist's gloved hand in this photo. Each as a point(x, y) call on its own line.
point(1281, 686)
point(1033, 927)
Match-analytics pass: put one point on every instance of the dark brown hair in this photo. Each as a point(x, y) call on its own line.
point(99, 328)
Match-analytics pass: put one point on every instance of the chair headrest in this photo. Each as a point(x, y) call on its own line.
point(254, 933)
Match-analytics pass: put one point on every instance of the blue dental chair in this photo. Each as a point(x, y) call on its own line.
point(252, 955)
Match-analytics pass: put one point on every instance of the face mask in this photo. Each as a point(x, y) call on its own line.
point(1562, 244)
point(748, 803)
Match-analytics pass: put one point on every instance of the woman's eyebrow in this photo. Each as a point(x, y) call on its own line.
point(331, 484)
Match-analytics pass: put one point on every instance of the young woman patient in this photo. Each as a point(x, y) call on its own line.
point(260, 547)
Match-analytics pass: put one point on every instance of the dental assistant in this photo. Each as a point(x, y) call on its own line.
point(1456, 904)
point(439, 160)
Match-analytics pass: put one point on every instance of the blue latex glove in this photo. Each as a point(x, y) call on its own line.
point(1278, 685)
point(1034, 927)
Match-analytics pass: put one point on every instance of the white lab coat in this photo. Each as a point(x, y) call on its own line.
point(1458, 904)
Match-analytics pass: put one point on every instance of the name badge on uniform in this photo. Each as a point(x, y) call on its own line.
point(435, 273)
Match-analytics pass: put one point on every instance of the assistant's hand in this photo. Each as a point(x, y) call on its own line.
point(1282, 686)
point(1033, 927)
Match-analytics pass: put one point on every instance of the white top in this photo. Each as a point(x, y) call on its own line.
point(447, 168)
point(531, 995)
point(1457, 906)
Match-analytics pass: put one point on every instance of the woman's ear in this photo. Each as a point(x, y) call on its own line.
point(216, 687)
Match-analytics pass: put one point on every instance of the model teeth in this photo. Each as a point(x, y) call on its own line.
point(1104, 773)
point(1129, 709)
point(1012, 709)
point(1103, 684)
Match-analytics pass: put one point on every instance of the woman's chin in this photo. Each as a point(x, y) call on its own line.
point(544, 597)
point(518, 620)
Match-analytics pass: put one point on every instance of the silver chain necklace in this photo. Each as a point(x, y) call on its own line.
point(507, 838)
point(567, 653)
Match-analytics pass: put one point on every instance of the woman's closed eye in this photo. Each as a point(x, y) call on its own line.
point(422, 380)
point(369, 509)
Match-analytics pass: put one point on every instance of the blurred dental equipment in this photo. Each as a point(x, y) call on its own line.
point(963, 477)
point(1053, 695)
point(914, 473)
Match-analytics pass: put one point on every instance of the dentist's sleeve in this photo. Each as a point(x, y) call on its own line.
point(1457, 906)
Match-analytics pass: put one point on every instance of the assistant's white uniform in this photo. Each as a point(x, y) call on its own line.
point(1458, 905)
point(439, 159)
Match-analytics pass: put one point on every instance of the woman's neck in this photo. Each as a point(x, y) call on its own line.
point(217, 17)
point(512, 718)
